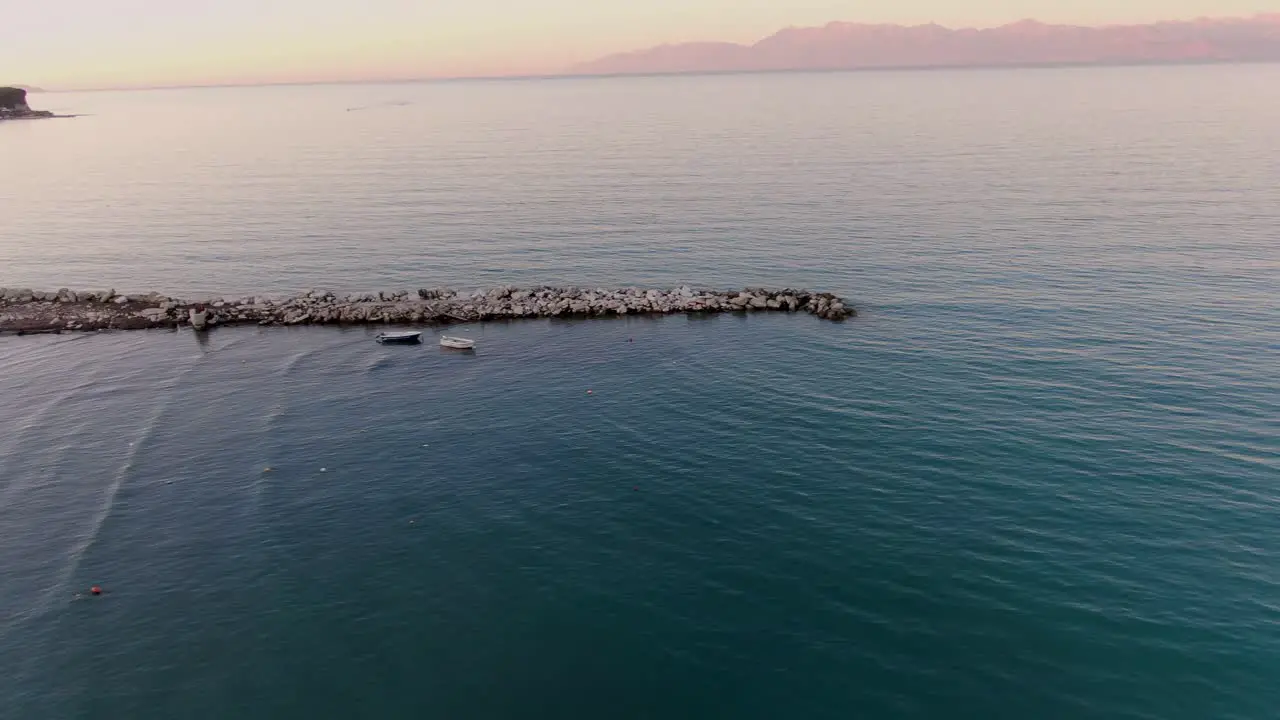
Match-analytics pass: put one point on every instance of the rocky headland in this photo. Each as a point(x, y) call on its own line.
point(13, 105)
point(30, 311)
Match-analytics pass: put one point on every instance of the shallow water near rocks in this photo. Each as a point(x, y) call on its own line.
point(1036, 477)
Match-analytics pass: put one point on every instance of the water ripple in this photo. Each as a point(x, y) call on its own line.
point(1034, 478)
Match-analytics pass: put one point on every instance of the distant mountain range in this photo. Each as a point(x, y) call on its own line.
point(849, 46)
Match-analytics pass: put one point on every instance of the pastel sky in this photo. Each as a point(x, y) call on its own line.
point(119, 43)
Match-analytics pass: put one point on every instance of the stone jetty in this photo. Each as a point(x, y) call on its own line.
point(30, 311)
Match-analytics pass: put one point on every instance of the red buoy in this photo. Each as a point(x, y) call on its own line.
point(96, 589)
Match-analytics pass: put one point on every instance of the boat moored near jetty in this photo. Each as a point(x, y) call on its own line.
point(457, 343)
point(398, 338)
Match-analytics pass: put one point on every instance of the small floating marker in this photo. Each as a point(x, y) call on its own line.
point(324, 469)
point(96, 590)
point(591, 392)
point(268, 469)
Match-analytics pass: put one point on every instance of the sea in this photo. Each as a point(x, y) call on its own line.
point(1038, 476)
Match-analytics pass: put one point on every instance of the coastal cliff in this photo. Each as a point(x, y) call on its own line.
point(28, 311)
point(13, 105)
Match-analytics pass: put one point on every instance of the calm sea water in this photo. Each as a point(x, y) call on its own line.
point(1038, 477)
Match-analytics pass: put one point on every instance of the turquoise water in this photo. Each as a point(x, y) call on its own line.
point(1037, 477)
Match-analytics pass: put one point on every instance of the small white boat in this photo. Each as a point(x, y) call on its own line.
point(457, 343)
point(398, 338)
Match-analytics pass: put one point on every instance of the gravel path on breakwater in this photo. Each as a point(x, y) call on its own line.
point(28, 311)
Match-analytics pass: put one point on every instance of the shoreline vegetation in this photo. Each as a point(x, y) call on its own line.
point(24, 311)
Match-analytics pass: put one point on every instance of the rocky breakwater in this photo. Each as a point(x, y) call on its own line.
point(29, 311)
point(13, 105)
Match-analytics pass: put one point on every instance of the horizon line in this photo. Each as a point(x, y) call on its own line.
point(689, 73)
point(569, 72)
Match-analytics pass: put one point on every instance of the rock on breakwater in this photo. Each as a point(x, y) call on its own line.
point(24, 310)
